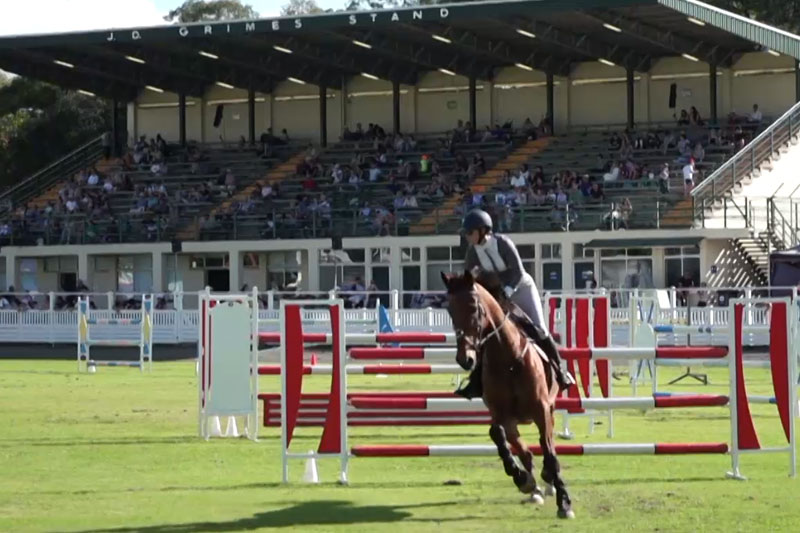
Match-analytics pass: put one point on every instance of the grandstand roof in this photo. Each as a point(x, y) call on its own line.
point(473, 40)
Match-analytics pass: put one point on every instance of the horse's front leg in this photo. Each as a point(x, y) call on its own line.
point(551, 470)
point(523, 452)
point(521, 477)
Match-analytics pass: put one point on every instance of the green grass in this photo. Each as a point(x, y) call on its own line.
point(119, 451)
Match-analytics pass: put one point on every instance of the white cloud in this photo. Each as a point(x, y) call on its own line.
point(52, 16)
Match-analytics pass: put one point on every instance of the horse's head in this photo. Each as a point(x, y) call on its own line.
point(467, 314)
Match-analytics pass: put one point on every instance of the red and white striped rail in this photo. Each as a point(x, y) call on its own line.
point(367, 338)
point(393, 369)
point(481, 450)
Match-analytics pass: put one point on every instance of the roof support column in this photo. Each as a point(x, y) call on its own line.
point(712, 91)
point(182, 118)
point(797, 80)
point(251, 116)
point(396, 107)
point(629, 86)
point(323, 115)
point(550, 102)
point(473, 97)
point(114, 148)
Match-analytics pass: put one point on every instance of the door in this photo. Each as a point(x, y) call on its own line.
point(218, 280)
point(551, 272)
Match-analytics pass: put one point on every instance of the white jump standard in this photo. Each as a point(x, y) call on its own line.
point(144, 343)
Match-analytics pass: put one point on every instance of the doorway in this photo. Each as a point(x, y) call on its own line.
point(219, 280)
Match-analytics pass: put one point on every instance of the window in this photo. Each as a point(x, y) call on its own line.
point(580, 251)
point(622, 270)
point(551, 251)
point(442, 259)
point(135, 273)
point(409, 255)
point(28, 268)
point(251, 260)
point(680, 261)
point(381, 255)
point(527, 252)
point(283, 268)
point(341, 268)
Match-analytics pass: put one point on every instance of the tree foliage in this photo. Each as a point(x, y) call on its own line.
point(209, 11)
point(300, 7)
point(40, 123)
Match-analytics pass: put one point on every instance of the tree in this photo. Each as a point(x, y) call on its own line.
point(211, 10)
point(300, 7)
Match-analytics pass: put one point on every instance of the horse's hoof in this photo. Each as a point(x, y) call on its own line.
point(529, 485)
point(535, 498)
point(569, 514)
point(549, 490)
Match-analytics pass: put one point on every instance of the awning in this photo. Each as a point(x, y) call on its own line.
point(639, 243)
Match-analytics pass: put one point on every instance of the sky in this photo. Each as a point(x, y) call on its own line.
point(49, 16)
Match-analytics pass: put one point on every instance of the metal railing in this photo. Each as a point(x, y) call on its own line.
point(745, 162)
point(54, 172)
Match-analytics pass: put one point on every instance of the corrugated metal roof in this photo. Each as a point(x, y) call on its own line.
point(752, 30)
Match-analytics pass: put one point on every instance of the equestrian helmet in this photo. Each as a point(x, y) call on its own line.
point(476, 219)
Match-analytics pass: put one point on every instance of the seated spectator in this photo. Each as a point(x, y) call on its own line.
point(699, 153)
point(615, 141)
point(756, 116)
point(518, 181)
point(596, 193)
point(684, 118)
point(613, 174)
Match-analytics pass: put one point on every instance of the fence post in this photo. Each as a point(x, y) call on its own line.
point(51, 307)
point(110, 300)
point(270, 299)
point(177, 304)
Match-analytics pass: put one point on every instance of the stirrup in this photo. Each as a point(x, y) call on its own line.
point(468, 391)
point(567, 380)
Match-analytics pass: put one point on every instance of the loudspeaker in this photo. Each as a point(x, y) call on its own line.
point(673, 95)
point(336, 242)
point(177, 247)
point(218, 116)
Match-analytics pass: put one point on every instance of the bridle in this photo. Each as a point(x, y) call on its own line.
point(482, 339)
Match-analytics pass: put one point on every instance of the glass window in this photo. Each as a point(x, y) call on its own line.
point(381, 255)
point(356, 255)
point(547, 252)
point(125, 262)
point(68, 263)
point(458, 253)
point(527, 251)
point(143, 262)
point(439, 253)
point(640, 252)
point(411, 283)
point(552, 276)
point(103, 263)
point(612, 252)
point(51, 264)
point(672, 251)
point(579, 251)
point(28, 265)
point(409, 255)
point(251, 260)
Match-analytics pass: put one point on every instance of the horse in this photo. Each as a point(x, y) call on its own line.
point(518, 387)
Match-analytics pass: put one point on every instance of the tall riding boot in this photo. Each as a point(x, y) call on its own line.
point(474, 388)
point(550, 349)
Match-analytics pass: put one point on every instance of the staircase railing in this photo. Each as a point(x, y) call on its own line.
point(744, 163)
point(59, 170)
point(779, 228)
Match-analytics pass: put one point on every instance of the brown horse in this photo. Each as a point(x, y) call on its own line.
point(516, 387)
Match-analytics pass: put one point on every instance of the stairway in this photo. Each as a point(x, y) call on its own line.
point(275, 176)
point(486, 181)
point(757, 249)
point(680, 215)
point(40, 201)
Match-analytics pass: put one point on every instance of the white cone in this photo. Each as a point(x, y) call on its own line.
point(214, 429)
point(232, 430)
point(311, 475)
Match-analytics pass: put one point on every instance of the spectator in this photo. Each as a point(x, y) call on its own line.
point(756, 116)
point(699, 153)
point(663, 179)
point(684, 118)
point(688, 177)
point(694, 117)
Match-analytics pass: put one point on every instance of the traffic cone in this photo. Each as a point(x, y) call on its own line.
point(311, 475)
point(314, 360)
point(232, 430)
point(214, 429)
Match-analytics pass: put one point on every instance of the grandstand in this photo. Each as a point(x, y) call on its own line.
point(429, 111)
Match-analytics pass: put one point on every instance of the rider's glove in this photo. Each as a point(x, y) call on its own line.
point(509, 291)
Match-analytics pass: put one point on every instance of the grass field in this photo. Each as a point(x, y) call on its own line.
point(118, 451)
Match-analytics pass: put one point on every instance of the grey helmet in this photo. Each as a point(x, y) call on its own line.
point(476, 219)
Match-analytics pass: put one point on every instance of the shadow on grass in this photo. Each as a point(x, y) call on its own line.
point(319, 513)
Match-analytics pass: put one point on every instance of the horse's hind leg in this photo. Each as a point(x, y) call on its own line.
point(551, 470)
point(521, 450)
point(521, 477)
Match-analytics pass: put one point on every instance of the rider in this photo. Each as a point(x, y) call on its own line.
point(493, 252)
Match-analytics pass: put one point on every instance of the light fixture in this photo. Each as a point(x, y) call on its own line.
point(225, 85)
point(441, 39)
point(63, 63)
point(296, 80)
point(154, 88)
point(523, 66)
point(773, 52)
point(526, 33)
point(611, 27)
point(86, 93)
point(370, 76)
point(282, 49)
point(696, 21)
point(362, 44)
point(607, 62)
point(690, 57)
point(448, 72)
point(135, 60)
point(208, 55)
